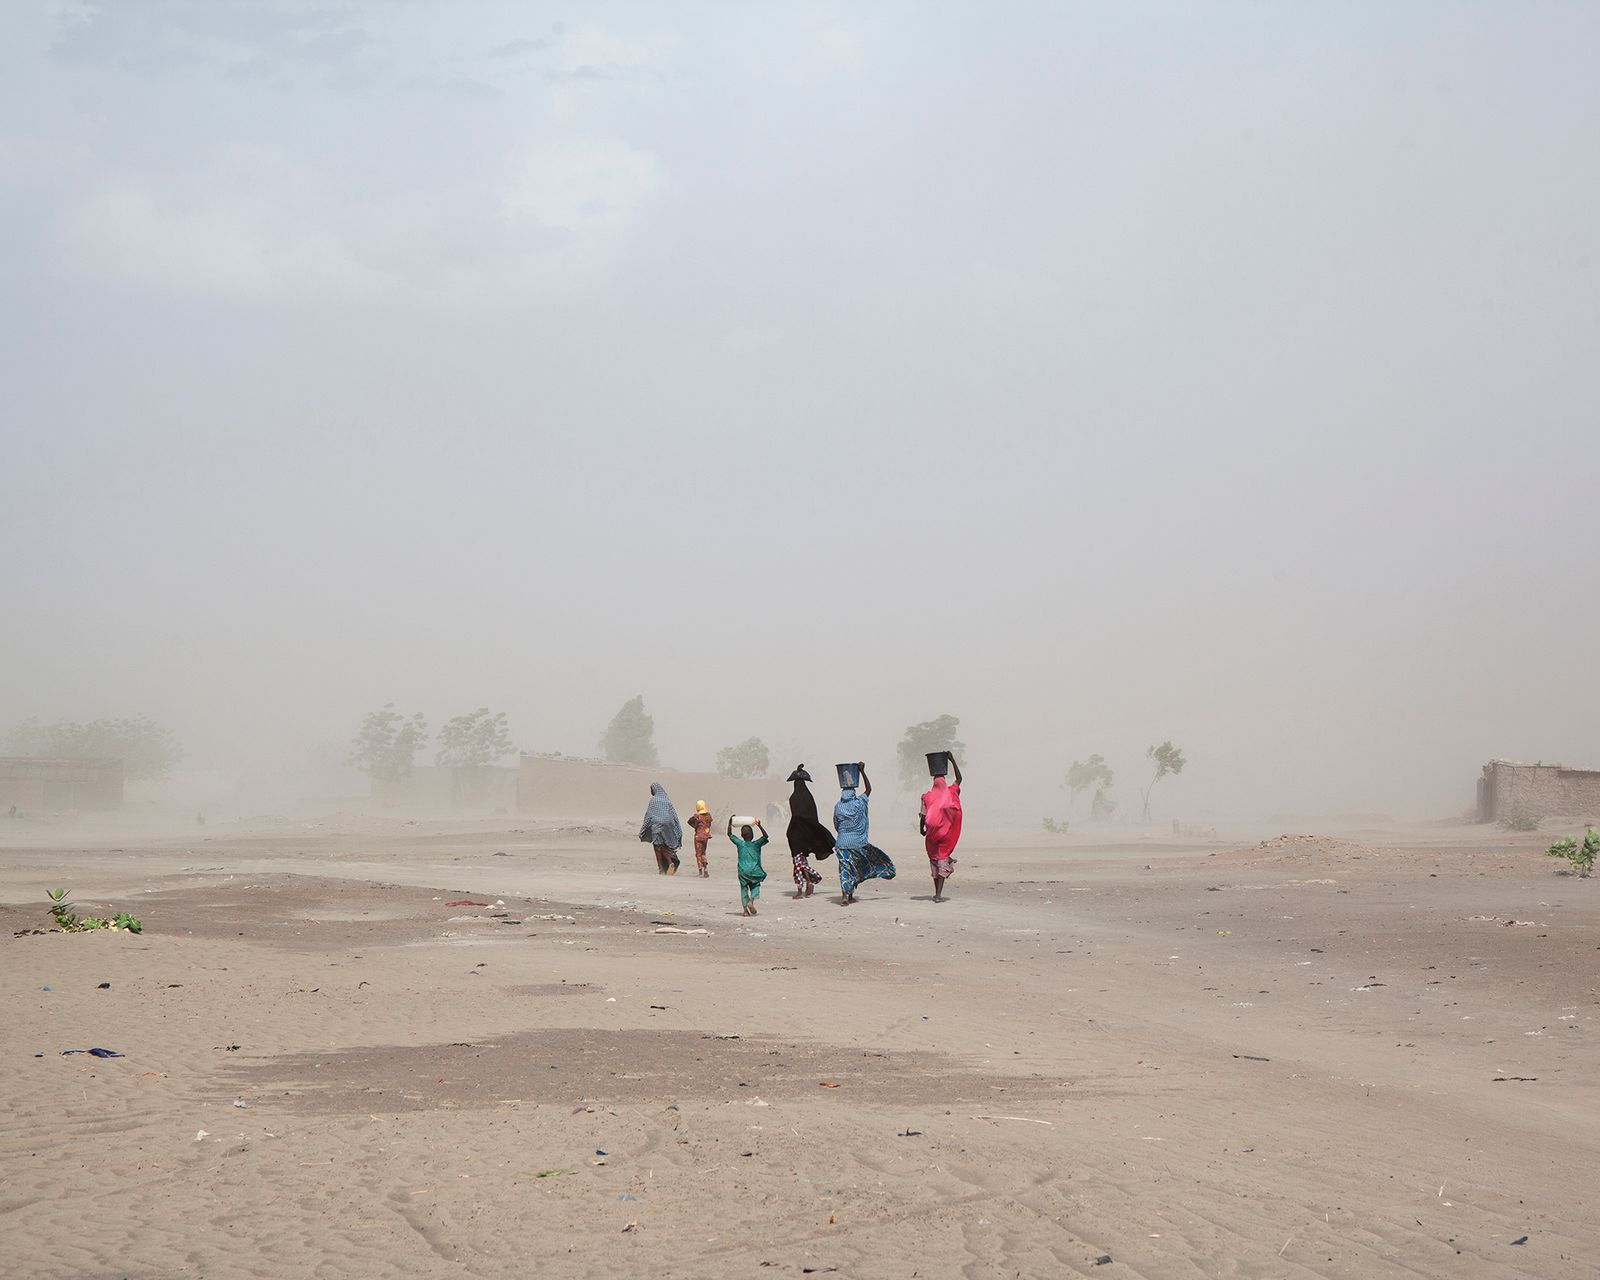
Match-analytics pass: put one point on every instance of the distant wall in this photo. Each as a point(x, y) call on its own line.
point(60, 784)
point(567, 787)
point(437, 788)
point(1544, 790)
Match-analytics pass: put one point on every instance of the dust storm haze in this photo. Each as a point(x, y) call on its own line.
point(1097, 374)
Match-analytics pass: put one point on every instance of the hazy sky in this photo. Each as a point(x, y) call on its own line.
point(1098, 373)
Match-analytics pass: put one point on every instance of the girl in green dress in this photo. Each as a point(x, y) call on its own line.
point(751, 872)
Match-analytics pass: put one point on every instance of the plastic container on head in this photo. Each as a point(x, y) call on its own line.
point(849, 775)
point(938, 764)
point(743, 821)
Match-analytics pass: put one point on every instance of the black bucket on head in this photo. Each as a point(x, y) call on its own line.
point(938, 764)
point(849, 776)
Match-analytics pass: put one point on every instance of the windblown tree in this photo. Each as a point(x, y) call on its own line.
point(386, 748)
point(144, 747)
point(630, 738)
point(474, 740)
point(747, 759)
point(1168, 759)
point(1093, 772)
point(919, 740)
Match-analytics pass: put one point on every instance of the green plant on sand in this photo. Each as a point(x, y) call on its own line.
point(66, 916)
point(61, 910)
point(1580, 855)
point(1518, 817)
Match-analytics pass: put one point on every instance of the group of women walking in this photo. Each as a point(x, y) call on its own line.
point(938, 821)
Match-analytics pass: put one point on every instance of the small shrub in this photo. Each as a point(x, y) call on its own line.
point(66, 918)
point(1518, 817)
point(1581, 856)
point(1055, 828)
point(62, 911)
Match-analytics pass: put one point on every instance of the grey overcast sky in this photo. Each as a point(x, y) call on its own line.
point(1098, 373)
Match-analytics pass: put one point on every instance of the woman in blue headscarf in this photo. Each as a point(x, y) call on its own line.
point(858, 858)
point(662, 829)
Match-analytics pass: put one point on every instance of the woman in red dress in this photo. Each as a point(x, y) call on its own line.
point(940, 824)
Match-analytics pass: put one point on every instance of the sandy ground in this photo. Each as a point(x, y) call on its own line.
point(1306, 1057)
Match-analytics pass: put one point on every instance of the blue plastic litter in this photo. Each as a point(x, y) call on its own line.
point(95, 1053)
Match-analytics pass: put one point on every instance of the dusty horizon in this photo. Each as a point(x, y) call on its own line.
point(1099, 377)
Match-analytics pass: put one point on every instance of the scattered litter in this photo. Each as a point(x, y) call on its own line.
point(827, 1084)
point(578, 1111)
point(230, 1048)
point(910, 1133)
point(465, 902)
point(199, 1136)
point(662, 1007)
point(811, 1271)
point(1251, 1057)
point(1102, 1260)
point(633, 1225)
point(757, 1102)
point(627, 1197)
point(1024, 1119)
point(551, 1173)
point(1520, 1079)
point(672, 928)
point(1520, 1240)
point(104, 986)
point(94, 1053)
point(599, 1152)
point(240, 1103)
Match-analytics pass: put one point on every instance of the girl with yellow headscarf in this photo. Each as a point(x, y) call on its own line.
point(701, 822)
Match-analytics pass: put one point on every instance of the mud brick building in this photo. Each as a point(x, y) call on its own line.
point(1540, 790)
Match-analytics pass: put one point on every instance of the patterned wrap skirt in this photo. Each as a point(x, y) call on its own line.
point(866, 863)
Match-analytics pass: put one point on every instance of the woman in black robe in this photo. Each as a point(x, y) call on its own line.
point(807, 836)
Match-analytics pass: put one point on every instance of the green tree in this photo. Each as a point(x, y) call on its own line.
point(144, 747)
point(1168, 759)
point(747, 759)
point(630, 738)
point(474, 740)
point(387, 745)
point(1085, 774)
point(930, 735)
